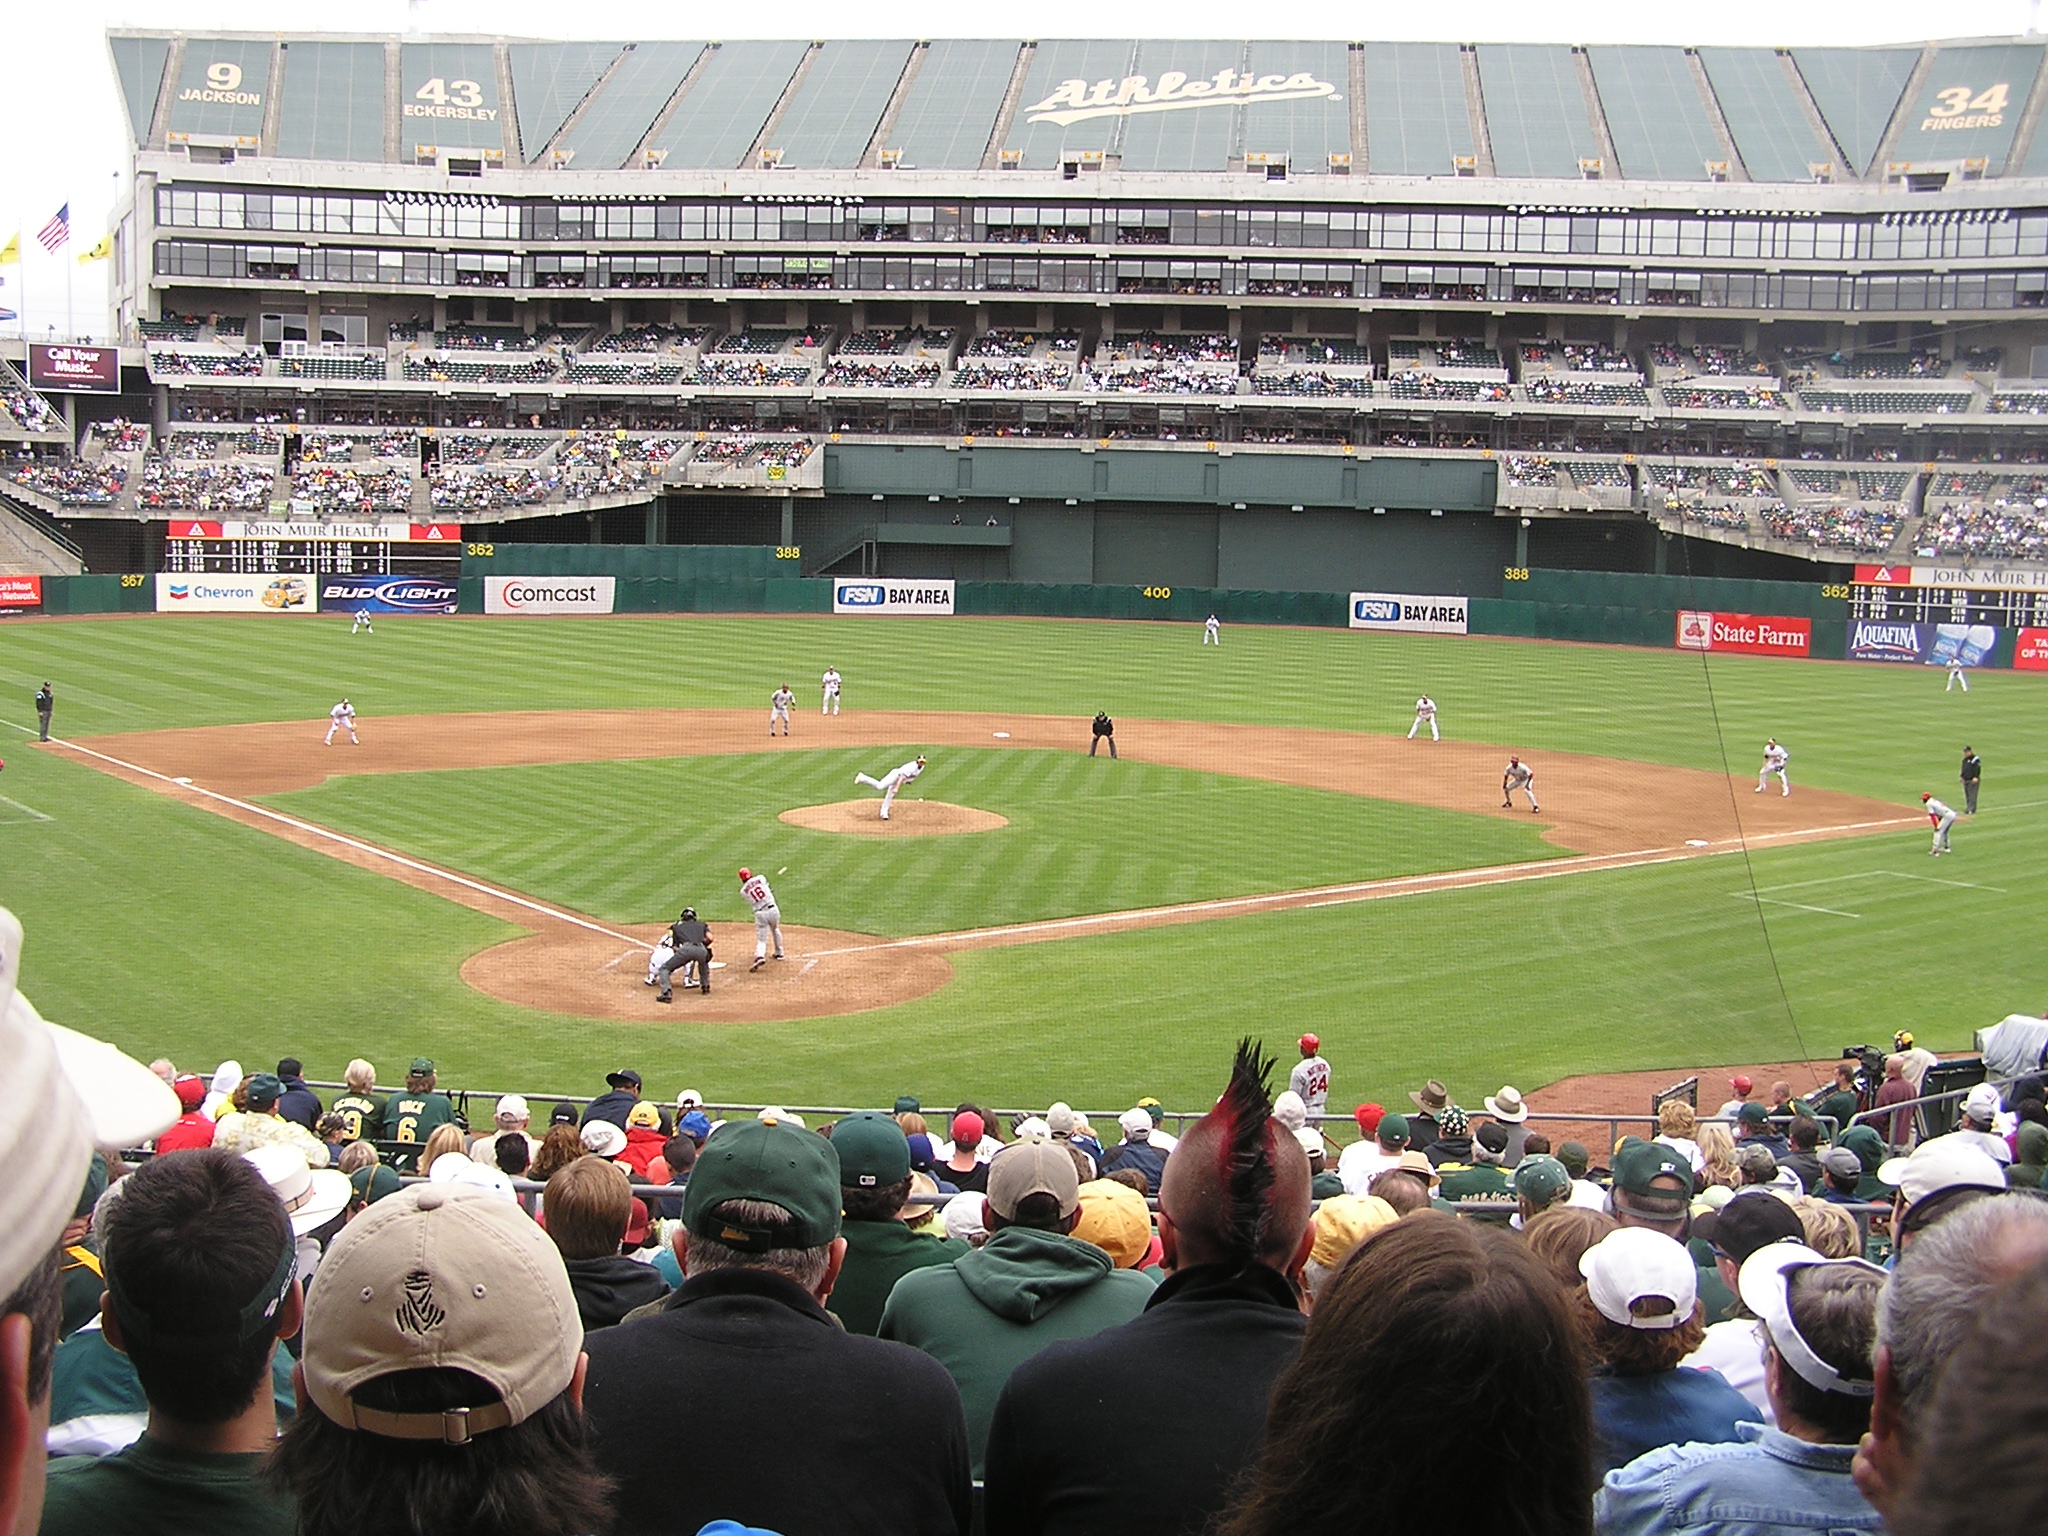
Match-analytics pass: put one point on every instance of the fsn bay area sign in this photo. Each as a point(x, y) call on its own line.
point(871, 594)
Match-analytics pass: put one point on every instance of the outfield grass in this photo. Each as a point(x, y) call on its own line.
point(175, 932)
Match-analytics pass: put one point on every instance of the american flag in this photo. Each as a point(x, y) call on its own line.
point(57, 231)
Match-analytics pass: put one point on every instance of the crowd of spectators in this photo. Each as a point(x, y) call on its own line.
point(461, 448)
point(27, 409)
point(1723, 397)
point(1710, 516)
point(1019, 344)
point(441, 368)
point(119, 435)
point(1415, 384)
point(881, 373)
point(1465, 354)
point(1889, 365)
point(1313, 383)
point(1593, 357)
point(2004, 530)
point(1576, 392)
point(1861, 529)
point(73, 481)
point(786, 453)
point(1173, 347)
point(466, 489)
point(2018, 402)
point(217, 365)
point(648, 338)
point(320, 448)
point(191, 487)
point(1169, 378)
point(342, 488)
point(1042, 374)
point(1709, 361)
point(270, 1325)
point(1532, 470)
point(726, 372)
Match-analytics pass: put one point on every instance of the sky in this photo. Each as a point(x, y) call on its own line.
point(61, 114)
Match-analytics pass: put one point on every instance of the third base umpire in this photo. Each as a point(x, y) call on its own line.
point(1105, 731)
point(692, 940)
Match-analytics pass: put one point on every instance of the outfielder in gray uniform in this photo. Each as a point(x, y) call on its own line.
point(767, 917)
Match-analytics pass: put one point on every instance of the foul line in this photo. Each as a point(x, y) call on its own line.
point(1328, 896)
point(27, 810)
point(314, 830)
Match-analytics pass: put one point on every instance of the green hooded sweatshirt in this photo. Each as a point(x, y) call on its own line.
point(989, 1311)
point(2026, 1171)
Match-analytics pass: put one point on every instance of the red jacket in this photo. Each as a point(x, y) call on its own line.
point(643, 1146)
point(193, 1130)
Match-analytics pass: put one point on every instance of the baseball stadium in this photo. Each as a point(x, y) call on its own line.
point(552, 405)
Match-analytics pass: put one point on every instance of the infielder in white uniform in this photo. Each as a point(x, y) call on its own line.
point(778, 708)
point(1956, 674)
point(1943, 818)
point(831, 684)
point(891, 781)
point(1425, 714)
point(341, 718)
point(1209, 632)
point(767, 917)
point(1775, 759)
point(362, 621)
point(1518, 775)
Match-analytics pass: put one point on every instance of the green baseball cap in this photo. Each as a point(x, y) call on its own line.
point(1635, 1166)
point(265, 1089)
point(1393, 1130)
point(422, 1064)
point(873, 1151)
point(906, 1104)
point(373, 1181)
point(1542, 1180)
point(769, 1161)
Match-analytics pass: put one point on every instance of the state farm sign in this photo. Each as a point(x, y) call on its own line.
point(1744, 634)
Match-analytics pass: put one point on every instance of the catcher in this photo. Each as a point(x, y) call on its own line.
point(689, 940)
point(1518, 775)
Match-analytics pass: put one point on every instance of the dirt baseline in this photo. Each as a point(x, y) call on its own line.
point(1609, 813)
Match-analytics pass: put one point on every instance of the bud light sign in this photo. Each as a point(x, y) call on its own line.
point(387, 594)
point(1934, 645)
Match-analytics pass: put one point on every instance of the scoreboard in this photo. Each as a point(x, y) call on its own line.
point(1940, 594)
point(310, 548)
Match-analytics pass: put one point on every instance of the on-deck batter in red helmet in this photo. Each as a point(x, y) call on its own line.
point(1310, 1044)
point(745, 874)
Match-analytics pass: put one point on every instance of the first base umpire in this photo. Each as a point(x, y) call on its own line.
point(691, 939)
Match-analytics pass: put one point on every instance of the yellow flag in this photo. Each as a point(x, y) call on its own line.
point(12, 251)
point(104, 251)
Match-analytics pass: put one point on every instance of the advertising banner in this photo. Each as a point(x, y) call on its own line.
point(76, 370)
point(548, 595)
point(1976, 578)
point(874, 595)
point(19, 592)
point(1934, 645)
point(2031, 654)
point(387, 594)
point(180, 593)
point(1408, 614)
point(1744, 634)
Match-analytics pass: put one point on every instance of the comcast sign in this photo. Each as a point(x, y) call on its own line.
point(1076, 100)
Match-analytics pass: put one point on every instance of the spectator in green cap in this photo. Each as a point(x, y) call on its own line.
point(260, 1125)
point(414, 1115)
point(792, 1422)
point(874, 1183)
point(1540, 1183)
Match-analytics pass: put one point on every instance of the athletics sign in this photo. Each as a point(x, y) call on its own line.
point(1405, 614)
point(1076, 100)
point(871, 594)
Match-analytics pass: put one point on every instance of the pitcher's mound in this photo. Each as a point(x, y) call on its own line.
point(907, 818)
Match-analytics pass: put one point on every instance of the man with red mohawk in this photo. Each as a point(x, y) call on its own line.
point(1234, 1224)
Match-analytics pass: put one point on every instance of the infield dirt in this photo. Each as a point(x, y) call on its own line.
point(1600, 813)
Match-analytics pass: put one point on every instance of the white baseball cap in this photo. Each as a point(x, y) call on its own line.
point(603, 1138)
point(1634, 1265)
point(441, 1276)
point(73, 1093)
point(513, 1107)
point(1946, 1162)
point(453, 1168)
point(312, 1196)
point(1136, 1123)
point(1982, 1103)
point(1765, 1285)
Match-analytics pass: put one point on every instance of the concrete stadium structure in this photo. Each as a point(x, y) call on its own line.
point(1277, 315)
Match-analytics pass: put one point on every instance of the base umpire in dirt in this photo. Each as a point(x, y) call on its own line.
point(691, 938)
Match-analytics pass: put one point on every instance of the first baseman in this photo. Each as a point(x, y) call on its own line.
point(830, 681)
point(341, 718)
point(1425, 714)
point(767, 916)
point(891, 781)
point(1518, 775)
point(1775, 759)
point(778, 708)
point(1943, 818)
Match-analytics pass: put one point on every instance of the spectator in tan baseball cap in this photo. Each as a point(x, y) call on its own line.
point(442, 1377)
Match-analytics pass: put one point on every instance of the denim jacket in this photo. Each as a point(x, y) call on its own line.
point(1765, 1484)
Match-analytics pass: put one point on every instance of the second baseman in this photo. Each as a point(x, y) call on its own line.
point(767, 916)
point(891, 781)
point(1425, 714)
point(1518, 775)
point(779, 704)
point(830, 683)
point(1775, 759)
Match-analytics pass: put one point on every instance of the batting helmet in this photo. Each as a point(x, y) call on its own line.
point(745, 875)
point(1310, 1044)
